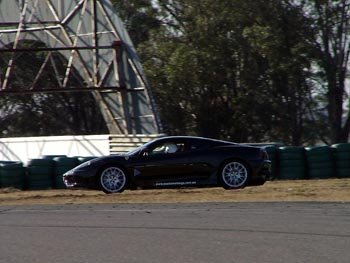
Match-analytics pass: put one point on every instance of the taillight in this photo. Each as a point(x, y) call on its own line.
point(264, 155)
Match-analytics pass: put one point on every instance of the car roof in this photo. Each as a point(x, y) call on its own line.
point(194, 139)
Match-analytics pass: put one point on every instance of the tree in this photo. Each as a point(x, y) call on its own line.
point(332, 47)
point(280, 41)
point(229, 69)
point(139, 17)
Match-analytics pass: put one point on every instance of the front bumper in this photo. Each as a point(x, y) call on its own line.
point(74, 179)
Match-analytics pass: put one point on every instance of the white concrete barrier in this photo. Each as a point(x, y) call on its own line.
point(26, 148)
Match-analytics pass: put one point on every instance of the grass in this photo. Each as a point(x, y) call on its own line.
point(331, 190)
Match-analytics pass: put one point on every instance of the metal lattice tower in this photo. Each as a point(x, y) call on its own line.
point(94, 43)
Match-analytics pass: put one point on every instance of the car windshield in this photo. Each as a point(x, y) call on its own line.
point(138, 149)
point(134, 151)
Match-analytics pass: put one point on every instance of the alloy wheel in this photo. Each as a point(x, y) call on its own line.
point(113, 180)
point(234, 174)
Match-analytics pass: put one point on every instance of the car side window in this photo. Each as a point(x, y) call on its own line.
point(193, 146)
point(168, 148)
point(181, 147)
point(158, 150)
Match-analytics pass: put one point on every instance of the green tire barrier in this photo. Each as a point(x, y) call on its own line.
point(343, 173)
point(51, 157)
point(342, 164)
point(326, 157)
point(320, 162)
point(272, 151)
point(85, 159)
point(342, 147)
point(292, 163)
point(39, 174)
point(62, 165)
point(12, 174)
point(321, 173)
point(341, 154)
point(292, 173)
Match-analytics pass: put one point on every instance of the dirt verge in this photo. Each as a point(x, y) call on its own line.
point(337, 190)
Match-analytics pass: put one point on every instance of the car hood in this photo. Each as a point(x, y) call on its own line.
point(115, 157)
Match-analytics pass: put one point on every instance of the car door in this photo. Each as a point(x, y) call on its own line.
point(184, 164)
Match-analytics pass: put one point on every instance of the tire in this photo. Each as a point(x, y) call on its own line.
point(318, 150)
point(342, 156)
point(322, 173)
point(342, 147)
point(319, 158)
point(51, 157)
point(58, 182)
point(291, 156)
point(343, 164)
point(60, 170)
point(321, 165)
point(11, 166)
point(292, 163)
point(292, 149)
point(11, 174)
point(113, 179)
point(66, 161)
point(39, 170)
point(343, 173)
point(292, 173)
point(40, 162)
point(234, 175)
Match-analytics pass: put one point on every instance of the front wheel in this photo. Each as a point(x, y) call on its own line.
point(234, 175)
point(113, 180)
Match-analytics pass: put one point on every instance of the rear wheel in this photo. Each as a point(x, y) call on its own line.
point(234, 174)
point(113, 180)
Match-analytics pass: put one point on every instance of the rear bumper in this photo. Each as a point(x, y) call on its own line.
point(262, 174)
point(266, 169)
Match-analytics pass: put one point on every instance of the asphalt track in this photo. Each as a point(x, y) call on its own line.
point(202, 232)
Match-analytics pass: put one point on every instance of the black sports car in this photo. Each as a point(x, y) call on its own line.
point(175, 161)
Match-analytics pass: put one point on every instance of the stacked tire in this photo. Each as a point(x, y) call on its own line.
point(85, 159)
point(341, 153)
point(62, 165)
point(272, 152)
point(39, 174)
point(12, 174)
point(51, 157)
point(320, 162)
point(291, 163)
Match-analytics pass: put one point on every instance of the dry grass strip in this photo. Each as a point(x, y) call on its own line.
point(332, 190)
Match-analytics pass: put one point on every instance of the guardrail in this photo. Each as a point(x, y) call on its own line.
point(124, 143)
